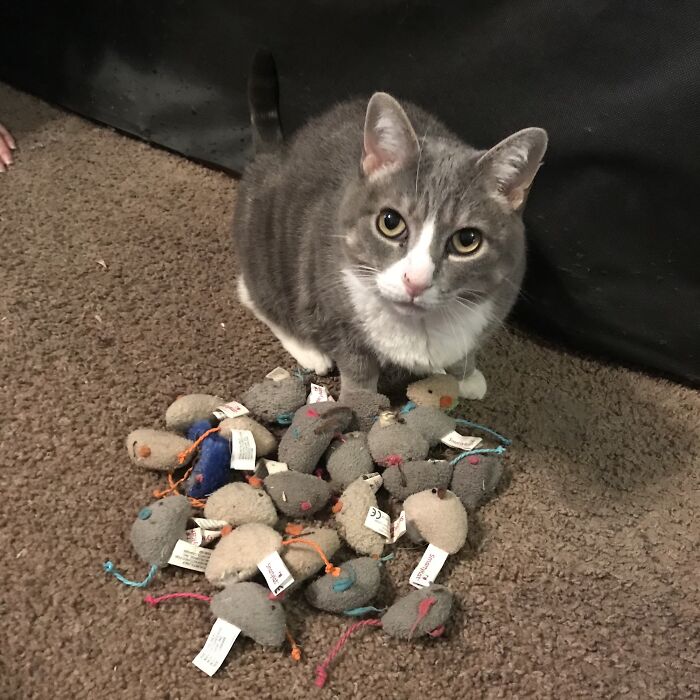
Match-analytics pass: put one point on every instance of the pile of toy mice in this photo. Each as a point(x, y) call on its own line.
point(269, 487)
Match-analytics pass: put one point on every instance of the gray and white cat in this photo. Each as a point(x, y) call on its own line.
point(375, 238)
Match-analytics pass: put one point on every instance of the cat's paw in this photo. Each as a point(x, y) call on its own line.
point(473, 386)
point(311, 359)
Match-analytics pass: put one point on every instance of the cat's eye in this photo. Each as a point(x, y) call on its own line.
point(390, 223)
point(466, 241)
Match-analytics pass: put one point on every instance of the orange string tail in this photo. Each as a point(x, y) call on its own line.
point(330, 569)
point(172, 485)
point(182, 457)
point(296, 651)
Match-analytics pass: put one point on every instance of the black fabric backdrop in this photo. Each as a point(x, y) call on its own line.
point(613, 218)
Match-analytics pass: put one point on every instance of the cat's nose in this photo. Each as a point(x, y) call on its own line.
point(414, 286)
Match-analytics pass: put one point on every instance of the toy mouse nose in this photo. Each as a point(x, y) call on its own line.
point(414, 286)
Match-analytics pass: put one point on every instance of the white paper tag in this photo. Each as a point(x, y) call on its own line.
point(219, 642)
point(428, 567)
point(273, 467)
point(276, 573)
point(374, 479)
point(460, 442)
point(190, 556)
point(242, 450)
point(398, 527)
point(199, 536)
point(209, 523)
point(318, 393)
point(379, 521)
point(232, 409)
point(278, 374)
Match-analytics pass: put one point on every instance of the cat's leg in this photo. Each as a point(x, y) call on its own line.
point(472, 383)
point(307, 356)
point(357, 372)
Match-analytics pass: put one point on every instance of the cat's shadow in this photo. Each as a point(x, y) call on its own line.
point(594, 430)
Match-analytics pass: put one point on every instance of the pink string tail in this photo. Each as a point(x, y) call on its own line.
point(322, 669)
point(169, 596)
point(423, 609)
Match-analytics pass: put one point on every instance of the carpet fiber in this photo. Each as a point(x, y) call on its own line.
point(117, 294)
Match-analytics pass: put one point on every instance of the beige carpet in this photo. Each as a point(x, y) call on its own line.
point(581, 580)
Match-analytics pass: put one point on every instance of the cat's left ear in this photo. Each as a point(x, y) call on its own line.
point(389, 139)
point(512, 165)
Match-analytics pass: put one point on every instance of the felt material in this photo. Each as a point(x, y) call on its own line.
point(475, 478)
point(297, 495)
point(310, 433)
point(438, 517)
point(212, 464)
point(396, 442)
point(269, 399)
point(265, 441)
point(158, 527)
point(584, 567)
point(236, 555)
point(239, 503)
point(333, 594)
point(348, 459)
point(404, 480)
point(402, 620)
point(437, 391)
point(248, 606)
point(304, 561)
point(366, 406)
point(355, 503)
point(189, 409)
point(156, 449)
point(432, 423)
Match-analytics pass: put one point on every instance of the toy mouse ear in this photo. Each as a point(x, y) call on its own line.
point(389, 139)
point(512, 165)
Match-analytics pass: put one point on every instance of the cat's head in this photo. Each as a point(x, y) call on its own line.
point(430, 221)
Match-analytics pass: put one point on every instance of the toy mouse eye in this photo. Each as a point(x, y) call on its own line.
point(390, 223)
point(433, 490)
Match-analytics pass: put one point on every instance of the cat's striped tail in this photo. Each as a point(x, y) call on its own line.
point(263, 102)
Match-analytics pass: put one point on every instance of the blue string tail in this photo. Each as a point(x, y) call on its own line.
point(300, 373)
point(359, 612)
point(408, 407)
point(346, 582)
point(284, 418)
point(484, 451)
point(502, 439)
point(108, 567)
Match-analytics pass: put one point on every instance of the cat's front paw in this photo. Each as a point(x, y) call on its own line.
point(473, 386)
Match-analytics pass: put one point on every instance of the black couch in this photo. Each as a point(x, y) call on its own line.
point(614, 216)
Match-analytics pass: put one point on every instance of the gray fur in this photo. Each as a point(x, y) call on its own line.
point(432, 423)
point(248, 606)
point(306, 213)
point(365, 574)
point(296, 494)
point(396, 440)
point(158, 527)
point(401, 619)
point(475, 483)
point(310, 433)
point(366, 406)
point(348, 459)
point(269, 399)
point(404, 480)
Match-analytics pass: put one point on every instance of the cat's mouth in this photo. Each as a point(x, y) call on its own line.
point(408, 307)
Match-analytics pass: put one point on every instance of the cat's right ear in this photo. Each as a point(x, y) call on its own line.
point(389, 139)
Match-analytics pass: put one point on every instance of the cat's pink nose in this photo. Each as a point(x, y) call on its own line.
point(414, 287)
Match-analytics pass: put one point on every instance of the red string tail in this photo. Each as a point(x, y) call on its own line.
point(169, 596)
point(322, 669)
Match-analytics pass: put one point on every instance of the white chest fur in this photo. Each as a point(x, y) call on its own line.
point(423, 343)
